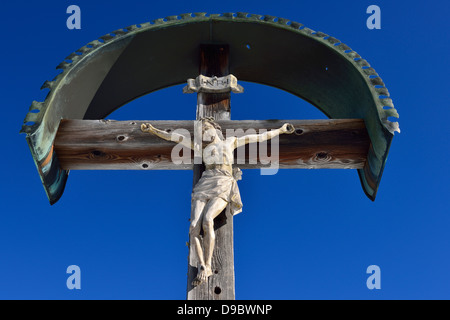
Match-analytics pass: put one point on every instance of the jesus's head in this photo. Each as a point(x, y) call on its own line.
point(210, 130)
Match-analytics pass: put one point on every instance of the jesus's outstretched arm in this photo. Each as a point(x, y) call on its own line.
point(169, 136)
point(251, 138)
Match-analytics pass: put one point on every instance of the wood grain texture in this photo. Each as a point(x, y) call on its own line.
point(120, 145)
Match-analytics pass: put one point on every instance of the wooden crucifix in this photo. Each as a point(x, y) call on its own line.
point(215, 190)
point(99, 144)
point(214, 61)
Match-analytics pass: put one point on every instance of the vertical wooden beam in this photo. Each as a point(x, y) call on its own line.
point(220, 286)
point(214, 62)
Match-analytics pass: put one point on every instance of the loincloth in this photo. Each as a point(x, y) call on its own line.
point(216, 183)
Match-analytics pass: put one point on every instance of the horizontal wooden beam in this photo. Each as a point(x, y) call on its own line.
point(120, 145)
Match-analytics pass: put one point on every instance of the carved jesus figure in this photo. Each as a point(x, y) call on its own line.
point(217, 186)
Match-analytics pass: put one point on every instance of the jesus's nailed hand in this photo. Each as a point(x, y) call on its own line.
point(287, 128)
point(147, 127)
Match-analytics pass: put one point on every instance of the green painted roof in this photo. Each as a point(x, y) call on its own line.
point(128, 63)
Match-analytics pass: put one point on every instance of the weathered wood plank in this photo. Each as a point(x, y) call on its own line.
point(214, 61)
point(120, 145)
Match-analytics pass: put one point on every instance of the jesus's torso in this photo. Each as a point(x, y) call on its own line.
point(219, 155)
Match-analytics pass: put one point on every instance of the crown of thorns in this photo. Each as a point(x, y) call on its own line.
point(211, 121)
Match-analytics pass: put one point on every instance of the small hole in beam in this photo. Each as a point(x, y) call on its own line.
point(97, 153)
point(321, 155)
point(121, 138)
point(216, 271)
point(298, 132)
point(144, 165)
point(217, 290)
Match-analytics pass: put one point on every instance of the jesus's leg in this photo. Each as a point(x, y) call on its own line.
point(214, 207)
point(194, 233)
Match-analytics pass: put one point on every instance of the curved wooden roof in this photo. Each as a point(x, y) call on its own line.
point(128, 63)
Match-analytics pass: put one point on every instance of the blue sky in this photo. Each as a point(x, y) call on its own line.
point(313, 240)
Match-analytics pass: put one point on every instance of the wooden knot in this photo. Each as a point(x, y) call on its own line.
point(322, 156)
